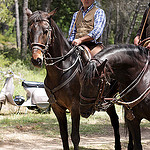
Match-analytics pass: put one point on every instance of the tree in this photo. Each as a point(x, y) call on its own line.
point(24, 30)
point(17, 25)
point(6, 17)
point(46, 5)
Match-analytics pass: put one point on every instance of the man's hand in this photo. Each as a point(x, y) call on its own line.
point(136, 40)
point(76, 42)
point(148, 46)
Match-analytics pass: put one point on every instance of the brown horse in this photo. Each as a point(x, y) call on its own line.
point(129, 66)
point(62, 80)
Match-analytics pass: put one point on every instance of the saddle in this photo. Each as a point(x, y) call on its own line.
point(94, 51)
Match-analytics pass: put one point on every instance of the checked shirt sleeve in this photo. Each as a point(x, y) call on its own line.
point(99, 24)
point(72, 36)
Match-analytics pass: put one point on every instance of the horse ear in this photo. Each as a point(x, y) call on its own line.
point(28, 12)
point(100, 68)
point(52, 12)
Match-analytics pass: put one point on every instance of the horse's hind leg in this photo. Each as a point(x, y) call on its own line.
point(134, 128)
point(115, 123)
point(62, 120)
point(75, 137)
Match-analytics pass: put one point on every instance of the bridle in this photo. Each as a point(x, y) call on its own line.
point(53, 61)
point(99, 101)
point(104, 103)
point(48, 59)
point(44, 47)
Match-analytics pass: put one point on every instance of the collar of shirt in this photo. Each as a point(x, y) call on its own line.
point(85, 12)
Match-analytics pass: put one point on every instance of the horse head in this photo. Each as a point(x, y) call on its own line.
point(91, 85)
point(40, 33)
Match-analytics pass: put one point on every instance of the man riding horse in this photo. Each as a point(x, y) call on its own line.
point(87, 26)
point(143, 34)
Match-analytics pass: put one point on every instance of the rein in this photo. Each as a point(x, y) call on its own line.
point(59, 59)
point(98, 101)
point(102, 103)
point(129, 105)
point(130, 88)
point(53, 61)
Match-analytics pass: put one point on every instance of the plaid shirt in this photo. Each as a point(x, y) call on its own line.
point(99, 24)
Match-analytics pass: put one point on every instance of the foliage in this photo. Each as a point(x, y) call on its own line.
point(64, 14)
point(7, 18)
point(5, 13)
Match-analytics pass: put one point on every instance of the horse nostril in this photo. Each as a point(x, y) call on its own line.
point(39, 60)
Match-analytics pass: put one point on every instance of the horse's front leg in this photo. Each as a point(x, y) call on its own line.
point(115, 123)
point(62, 120)
point(134, 128)
point(130, 144)
point(75, 136)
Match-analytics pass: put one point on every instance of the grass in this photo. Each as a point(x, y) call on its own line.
point(44, 124)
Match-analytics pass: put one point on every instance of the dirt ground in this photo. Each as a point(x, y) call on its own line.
point(19, 139)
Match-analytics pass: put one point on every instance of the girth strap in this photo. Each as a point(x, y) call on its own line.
point(61, 85)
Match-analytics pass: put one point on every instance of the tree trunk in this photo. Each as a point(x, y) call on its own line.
point(24, 30)
point(17, 26)
point(133, 21)
point(46, 5)
point(107, 30)
point(117, 23)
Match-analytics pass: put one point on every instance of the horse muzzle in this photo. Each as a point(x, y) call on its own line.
point(37, 62)
point(86, 110)
point(37, 57)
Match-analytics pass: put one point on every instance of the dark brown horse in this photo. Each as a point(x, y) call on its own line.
point(62, 80)
point(129, 66)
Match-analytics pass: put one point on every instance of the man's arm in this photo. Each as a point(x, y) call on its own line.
point(99, 24)
point(81, 40)
point(71, 36)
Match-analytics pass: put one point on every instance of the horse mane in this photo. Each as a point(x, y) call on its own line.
point(90, 71)
point(60, 32)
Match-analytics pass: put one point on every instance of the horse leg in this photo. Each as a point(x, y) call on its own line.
point(75, 137)
point(62, 120)
point(134, 128)
point(130, 144)
point(115, 123)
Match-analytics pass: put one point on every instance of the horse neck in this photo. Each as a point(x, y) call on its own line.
point(60, 44)
point(125, 62)
point(59, 48)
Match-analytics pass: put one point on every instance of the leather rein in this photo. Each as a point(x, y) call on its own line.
point(52, 61)
point(104, 103)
